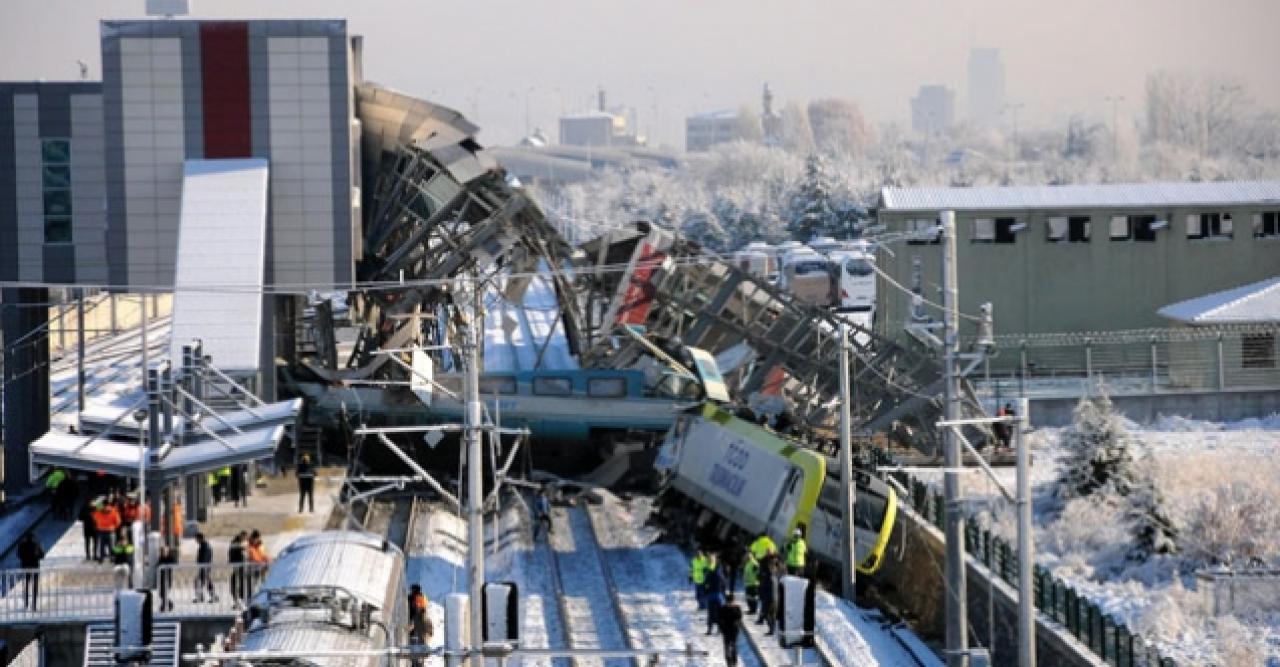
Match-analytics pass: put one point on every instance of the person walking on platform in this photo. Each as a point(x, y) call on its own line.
point(730, 622)
point(698, 577)
point(420, 629)
point(90, 532)
point(204, 570)
point(235, 556)
point(221, 488)
point(796, 551)
point(751, 582)
point(168, 559)
point(306, 483)
point(106, 520)
point(714, 587)
point(769, 571)
point(30, 553)
point(542, 514)
point(257, 554)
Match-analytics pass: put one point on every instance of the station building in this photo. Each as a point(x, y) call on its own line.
point(242, 135)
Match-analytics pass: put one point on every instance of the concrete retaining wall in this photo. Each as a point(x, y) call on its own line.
point(1222, 406)
point(913, 581)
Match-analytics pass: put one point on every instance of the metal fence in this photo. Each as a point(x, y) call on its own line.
point(1129, 362)
point(88, 592)
point(1109, 639)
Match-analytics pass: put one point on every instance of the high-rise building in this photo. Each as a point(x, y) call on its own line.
point(986, 86)
point(933, 109)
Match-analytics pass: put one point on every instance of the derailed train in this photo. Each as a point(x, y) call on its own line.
point(328, 592)
point(752, 481)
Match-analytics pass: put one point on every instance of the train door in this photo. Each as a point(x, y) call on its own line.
point(789, 501)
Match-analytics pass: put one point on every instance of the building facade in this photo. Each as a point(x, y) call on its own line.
point(705, 130)
point(986, 92)
point(1081, 258)
point(933, 109)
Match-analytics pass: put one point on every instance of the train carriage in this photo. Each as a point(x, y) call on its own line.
point(755, 481)
point(329, 591)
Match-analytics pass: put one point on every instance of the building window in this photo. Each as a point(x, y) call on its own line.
point(55, 182)
point(1209, 226)
point(1078, 228)
point(994, 230)
point(1266, 225)
point(1258, 351)
point(1134, 227)
point(923, 231)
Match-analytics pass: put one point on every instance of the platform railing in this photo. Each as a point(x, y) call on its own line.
point(88, 592)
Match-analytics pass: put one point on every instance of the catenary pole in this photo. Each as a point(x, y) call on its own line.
point(848, 494)
point(957, 613)
point(475, 474)
point(1026, 554)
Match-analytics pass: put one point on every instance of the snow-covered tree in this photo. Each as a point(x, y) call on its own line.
point(1100, 464)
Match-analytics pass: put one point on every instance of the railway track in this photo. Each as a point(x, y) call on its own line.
point(589, 610)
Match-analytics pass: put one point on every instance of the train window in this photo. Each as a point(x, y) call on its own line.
point(497, 384)
point(552, 386)
point(607, 387)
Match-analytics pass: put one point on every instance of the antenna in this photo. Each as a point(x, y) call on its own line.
point(168, 8)
point(84, 70)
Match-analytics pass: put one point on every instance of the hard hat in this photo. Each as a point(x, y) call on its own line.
point(797, 533)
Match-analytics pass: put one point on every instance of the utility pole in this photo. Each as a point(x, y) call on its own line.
point(475, 473)
point(957, 612)
point(848, 490)
point(1026, 554)
point(80, 347)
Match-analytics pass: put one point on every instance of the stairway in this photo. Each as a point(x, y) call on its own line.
point(99, 645)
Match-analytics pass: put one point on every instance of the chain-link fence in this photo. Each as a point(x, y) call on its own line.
point(1176, 360)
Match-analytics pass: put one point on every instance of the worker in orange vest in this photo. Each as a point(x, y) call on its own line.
point(420, 629)
point(105, 520)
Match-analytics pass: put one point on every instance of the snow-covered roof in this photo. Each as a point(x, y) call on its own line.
point(1110, 195)
point(1255, 303)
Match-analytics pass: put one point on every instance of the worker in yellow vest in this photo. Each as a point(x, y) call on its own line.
point(751, 581)
point(796, 550)
point(763, 546)
point(698, 576)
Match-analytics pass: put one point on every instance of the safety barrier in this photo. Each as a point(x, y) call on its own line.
point(87, 593)
point(1109, 639)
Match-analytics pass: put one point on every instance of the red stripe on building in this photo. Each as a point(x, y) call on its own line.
point(224, 84)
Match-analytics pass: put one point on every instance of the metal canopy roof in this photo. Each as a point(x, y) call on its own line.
point(1117, 195)
point(98, 415)
point(117, 457)
point(1256, 303)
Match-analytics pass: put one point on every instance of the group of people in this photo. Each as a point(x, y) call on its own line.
point(229, 483)
point(762, 566)
point(106, 523)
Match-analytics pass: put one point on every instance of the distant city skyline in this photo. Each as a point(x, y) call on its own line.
point(510, 65)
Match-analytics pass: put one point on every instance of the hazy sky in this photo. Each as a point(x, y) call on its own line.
point(670, 58)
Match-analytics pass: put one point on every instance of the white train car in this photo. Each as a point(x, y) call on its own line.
point(329, 591)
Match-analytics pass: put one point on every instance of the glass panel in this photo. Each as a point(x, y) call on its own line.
point(984, 229)
point(607, 387)
point(1079, 229)
point(1057, 229)
point(57, 177)
point(497, 384)
point(56, 151)
point(57, 202)
point(1119, 227)
point(57, 229)
point(552, 386)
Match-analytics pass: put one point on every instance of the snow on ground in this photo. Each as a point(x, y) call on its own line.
point(1215, 478)
point(652, 581)
point(437, 561)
